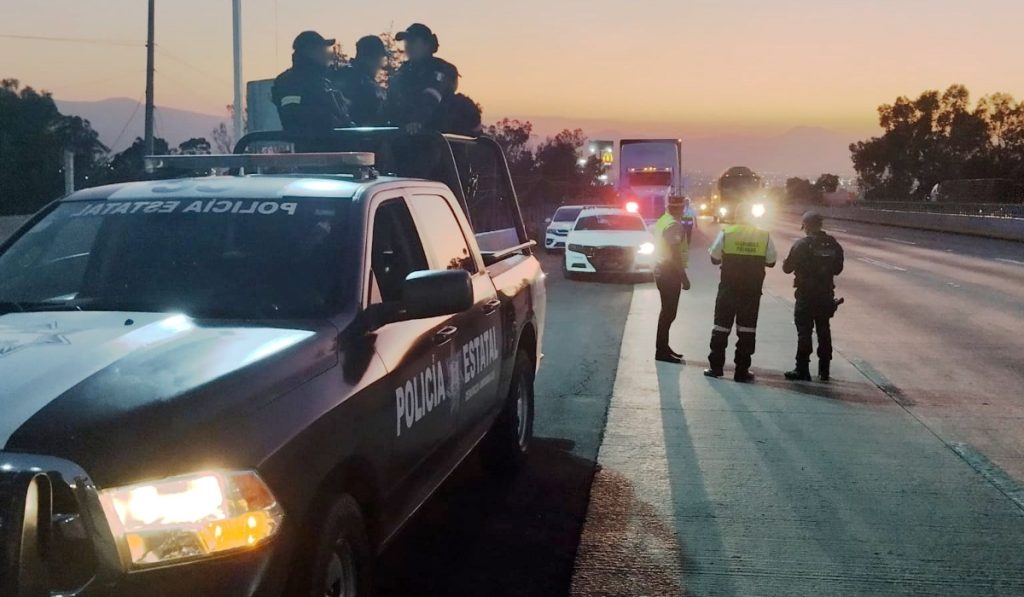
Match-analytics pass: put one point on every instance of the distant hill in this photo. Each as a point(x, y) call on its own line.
point(120, 120)
point(801, 151)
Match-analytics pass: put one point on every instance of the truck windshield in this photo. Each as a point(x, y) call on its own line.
point(567, 214)
point(232, 259)
point(610, 222)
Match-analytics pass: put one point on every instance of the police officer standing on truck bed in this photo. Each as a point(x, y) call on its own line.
point(358, 81)
point(672, 250)
point(306, 101)
point(744, 251)
point(422, 87)
point(815, 259)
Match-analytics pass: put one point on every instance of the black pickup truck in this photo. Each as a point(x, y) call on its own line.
point(247, 384)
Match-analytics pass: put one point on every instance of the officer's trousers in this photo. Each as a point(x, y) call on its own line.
point(812, 315)
point(670, 285)
point(742, 309)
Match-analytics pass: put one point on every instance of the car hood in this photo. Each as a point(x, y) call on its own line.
point(610, 238)
point(100, 388)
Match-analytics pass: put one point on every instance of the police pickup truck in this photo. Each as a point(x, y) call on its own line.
point(246, 384)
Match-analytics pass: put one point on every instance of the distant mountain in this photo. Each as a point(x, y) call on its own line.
point(801, 151)
point(120, 120)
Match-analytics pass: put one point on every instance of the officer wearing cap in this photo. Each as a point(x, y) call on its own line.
point(358, 82)
point(815, 260)
point(421, 87)
point(672, 251)
point(744, 251)
point(306, 101)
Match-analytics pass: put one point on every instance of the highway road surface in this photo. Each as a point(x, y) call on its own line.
point(903, 476)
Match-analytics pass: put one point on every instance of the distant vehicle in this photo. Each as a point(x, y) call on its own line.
point(559, 225)
point(607, 240)
point(739, 185)
point(649, 171)
point(246, 385)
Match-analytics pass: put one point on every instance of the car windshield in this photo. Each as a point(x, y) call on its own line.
point(610, 222)
point(217, 259)
point(567, 214)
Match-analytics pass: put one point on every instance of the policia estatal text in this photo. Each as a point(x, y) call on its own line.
point(743, 251)
point(672, 247)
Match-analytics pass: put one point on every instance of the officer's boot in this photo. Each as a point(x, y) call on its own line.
point(802, 372)
point(823, 370)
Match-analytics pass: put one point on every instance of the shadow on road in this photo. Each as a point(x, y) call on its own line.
point(495, 536)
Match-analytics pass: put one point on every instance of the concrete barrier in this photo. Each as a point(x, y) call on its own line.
point(8, 224)
point(988, 227)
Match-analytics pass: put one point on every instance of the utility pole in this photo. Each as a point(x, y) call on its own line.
point(149, 80)
point(236, 21)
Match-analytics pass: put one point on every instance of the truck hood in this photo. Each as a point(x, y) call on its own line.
point(100, 388)
point(610, 238)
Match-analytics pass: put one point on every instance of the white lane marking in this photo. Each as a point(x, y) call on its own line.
point(896, 240)
point(953, 284)
point(1013, 261)
point(882, 264)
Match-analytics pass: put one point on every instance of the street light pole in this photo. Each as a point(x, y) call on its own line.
point(236, 14)
point(149, 80)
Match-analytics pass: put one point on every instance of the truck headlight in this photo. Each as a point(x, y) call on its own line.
point(757, 210)
point(703, 206)
point(191, 516)
point(723, 211)
point(646, 249)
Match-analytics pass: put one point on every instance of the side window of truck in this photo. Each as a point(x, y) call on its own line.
point(443, 233)
point(396, 251)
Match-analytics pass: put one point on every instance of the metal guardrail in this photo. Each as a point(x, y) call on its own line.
point(988, 210)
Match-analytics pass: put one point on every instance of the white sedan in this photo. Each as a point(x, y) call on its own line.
point(609, 240)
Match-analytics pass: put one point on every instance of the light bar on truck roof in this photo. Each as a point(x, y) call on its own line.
point(349, 162)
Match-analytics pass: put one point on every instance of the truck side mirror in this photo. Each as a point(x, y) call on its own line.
point(432, 293)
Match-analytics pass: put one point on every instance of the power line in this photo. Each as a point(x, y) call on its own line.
point(185, 63)
point(81, 40)
point(131, 118)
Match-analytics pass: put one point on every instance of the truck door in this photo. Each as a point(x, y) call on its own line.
point(418, 354)
point(479, 338)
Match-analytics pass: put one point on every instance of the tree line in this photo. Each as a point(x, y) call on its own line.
point(941, 136)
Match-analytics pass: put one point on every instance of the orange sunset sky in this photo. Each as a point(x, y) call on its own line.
point(695, 66)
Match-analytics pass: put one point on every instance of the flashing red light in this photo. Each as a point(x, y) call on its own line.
point(633, 207)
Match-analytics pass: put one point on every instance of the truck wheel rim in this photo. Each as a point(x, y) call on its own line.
point(522, 414)
point(341, 572)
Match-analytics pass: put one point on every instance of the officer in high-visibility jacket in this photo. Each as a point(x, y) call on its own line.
point(672, 251)
point(744, 251)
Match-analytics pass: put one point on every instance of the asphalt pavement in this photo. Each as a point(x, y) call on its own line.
point(879, 483)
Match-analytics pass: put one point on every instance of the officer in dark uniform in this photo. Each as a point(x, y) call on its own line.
point(672, 251)
point(358, 82)
point(744, 251)
point(306, 101)
point(815, 259)
point(422, 88)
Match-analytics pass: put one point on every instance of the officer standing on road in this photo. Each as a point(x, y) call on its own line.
point(672, 250)
point(744, 251)
point(423, 86)
point(306, 101)
point(358, 82)
point(689, 219)
point(815, 259)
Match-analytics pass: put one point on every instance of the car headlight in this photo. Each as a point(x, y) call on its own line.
point(757, 210)
point(723, 210)
point(703, 206)
point(191, 516)
point(645, 249)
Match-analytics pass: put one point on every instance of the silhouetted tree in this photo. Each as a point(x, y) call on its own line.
point(827, 183)
point(195, 146)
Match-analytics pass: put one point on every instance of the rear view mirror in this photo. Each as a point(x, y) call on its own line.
point(432, 293)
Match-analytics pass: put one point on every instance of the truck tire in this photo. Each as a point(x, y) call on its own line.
point(507, 444)
point(337, 560)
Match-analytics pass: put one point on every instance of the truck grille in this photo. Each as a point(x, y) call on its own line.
point(47, 538)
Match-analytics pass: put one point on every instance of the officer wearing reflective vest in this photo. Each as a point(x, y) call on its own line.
point(744, 251)
point(306, 101)
point(688, 219)
point(422, 88)
point(815, 260)
point(672, 250)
